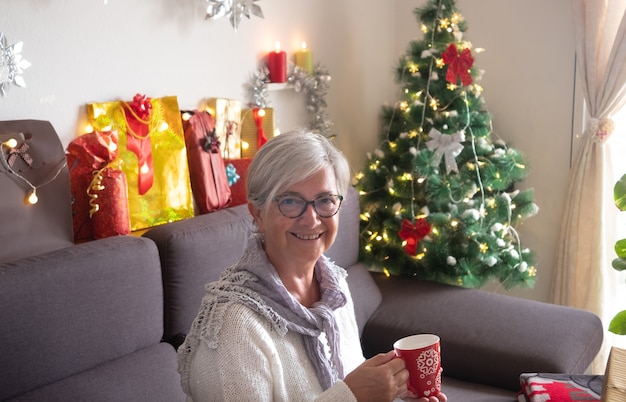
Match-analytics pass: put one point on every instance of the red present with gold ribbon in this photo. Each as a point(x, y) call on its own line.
point(152, 155)
point(108, 203)
point(85, 155)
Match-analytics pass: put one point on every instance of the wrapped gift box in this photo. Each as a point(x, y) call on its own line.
point(152, 155)
point(257, 126)
point(227, 115)
point(238, 189)
point(614, 386)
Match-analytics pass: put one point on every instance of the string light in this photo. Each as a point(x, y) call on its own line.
point(31, 197)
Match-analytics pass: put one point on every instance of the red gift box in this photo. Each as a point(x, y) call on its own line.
point(238, 189)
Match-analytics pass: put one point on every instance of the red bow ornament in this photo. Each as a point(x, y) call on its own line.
point(459, 65)
point(413, 233)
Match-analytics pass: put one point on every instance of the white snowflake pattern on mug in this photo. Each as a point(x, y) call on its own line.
point(427, 362)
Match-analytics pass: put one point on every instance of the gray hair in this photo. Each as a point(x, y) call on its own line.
point(290, 158)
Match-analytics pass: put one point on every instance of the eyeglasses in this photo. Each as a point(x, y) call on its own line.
point(293, 206)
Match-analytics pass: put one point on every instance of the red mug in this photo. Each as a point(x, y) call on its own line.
point(422, 357)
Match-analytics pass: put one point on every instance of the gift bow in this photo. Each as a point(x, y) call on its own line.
point(446, 145)
point(458, 64)
point(412, 233)
point(231, 129)
point(22, 151)
point(138, 141)
point(258, 120)
point(231, 174)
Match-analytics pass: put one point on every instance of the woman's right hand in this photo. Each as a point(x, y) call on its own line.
point(381, 378)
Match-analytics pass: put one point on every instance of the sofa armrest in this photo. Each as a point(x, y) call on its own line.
point(486, 338)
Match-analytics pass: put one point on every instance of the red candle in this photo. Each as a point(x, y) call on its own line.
point(277, 64)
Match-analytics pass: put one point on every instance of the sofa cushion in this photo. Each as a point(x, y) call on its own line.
point(148, 375)
point(463, 391)
point(345, 251)
point(479, 328)
point(194, 252)
point(365, 293)
point(70, 310)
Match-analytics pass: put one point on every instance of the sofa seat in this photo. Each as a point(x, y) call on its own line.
point(122, 379)
point(84, 323)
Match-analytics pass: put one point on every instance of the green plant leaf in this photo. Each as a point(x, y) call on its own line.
point(618, 323)
point(620, 248)
point(619, 264)
point(619, 193)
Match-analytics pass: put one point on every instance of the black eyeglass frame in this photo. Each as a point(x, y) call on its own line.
point(307, 203)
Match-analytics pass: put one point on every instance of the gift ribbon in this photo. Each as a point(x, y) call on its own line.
point(203, 122)
point(447, 146)
point(412, 233)
point(258, 120)
point(21, 151)
point(231, 174)
point(95, 185)
point(458, 64)
point(139, 142)
point(231, 128)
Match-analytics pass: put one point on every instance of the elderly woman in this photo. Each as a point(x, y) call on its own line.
point(279, 325)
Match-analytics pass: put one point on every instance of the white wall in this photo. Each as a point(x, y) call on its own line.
point(84, 51)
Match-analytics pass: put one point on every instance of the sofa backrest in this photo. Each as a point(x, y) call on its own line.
point(195, 251)
point(68, 313)
point(345, 253)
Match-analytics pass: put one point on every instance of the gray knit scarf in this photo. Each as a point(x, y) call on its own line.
point(254, 282)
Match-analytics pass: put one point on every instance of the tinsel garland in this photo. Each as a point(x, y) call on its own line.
point(314, 86)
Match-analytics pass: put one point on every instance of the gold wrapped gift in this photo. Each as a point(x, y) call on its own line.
point(159, 191)
point(227, 115)
point(257, 126)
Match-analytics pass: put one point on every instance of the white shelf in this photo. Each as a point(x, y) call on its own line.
point(278, 86)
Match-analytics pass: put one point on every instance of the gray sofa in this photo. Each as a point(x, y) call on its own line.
point(98, 321)
point(84, 323)
point(487, 339)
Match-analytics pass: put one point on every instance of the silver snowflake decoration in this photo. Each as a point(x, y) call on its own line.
point(236, 9)
point(12, 65)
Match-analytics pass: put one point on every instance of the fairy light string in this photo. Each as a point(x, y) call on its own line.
point(31, 197)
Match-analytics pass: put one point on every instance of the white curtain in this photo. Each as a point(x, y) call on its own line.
point(583, 275)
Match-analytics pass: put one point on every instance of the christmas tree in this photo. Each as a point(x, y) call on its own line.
point(438, 195)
